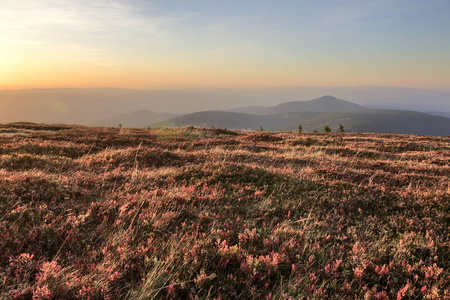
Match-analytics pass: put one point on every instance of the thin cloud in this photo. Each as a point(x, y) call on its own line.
point(59, 20)
point(102, 32)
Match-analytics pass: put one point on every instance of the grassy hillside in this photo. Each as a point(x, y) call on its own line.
point(89, 213)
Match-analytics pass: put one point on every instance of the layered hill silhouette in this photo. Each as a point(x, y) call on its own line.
point(85, 106)
point(439, 113)
point(213, 107)
point(322, 104)
point(314, 115)
point(380, 121)
point(136, 119)
point(88, 106)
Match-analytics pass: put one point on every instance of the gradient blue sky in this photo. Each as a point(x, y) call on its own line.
point(153, 44)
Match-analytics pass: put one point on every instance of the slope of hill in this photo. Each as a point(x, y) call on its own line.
point(102, 213)
point(377, 121)
point(136, 119)
point(322, 104)
point(439, 113)
point(222, 119)
point(381, 121)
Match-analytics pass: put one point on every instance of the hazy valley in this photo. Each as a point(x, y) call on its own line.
point(375, 110)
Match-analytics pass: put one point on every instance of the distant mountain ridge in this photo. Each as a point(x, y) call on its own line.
point(137, 119)
point(313, 115)
point(439, 113)
point(213, 107)
point(322, 104)
point(380, 121)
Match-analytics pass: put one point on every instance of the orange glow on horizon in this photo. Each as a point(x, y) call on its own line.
point(64, 73)
point(147, 45)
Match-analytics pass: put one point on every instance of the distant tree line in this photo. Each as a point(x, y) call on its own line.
point(326, 128)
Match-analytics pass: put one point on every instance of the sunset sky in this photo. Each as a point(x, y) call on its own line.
point(252, 43)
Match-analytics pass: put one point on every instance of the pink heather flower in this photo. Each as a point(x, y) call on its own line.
point(257, 193)
point(336, 264)
point(327, 268)
point(402, 292)
point(358, 272)
point(276, 259)
point(409, 268)
point(381, 295)
point(25, 257)
point(383, 270)
point(423, 289)
point(288, 215)
point(171, 289)
point(49, 270)
point(42, 293)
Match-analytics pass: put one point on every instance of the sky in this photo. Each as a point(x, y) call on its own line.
point(205, 43)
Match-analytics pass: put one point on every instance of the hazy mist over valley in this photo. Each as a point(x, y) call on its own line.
point(359, 109)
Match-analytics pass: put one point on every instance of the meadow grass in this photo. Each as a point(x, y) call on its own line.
point(189, 213)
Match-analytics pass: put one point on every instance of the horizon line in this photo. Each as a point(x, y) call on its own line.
point(194, 87)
